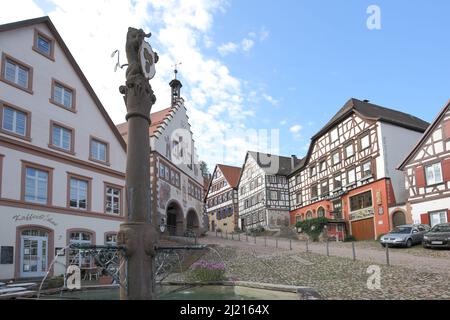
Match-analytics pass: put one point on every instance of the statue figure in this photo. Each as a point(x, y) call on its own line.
point(138, 93)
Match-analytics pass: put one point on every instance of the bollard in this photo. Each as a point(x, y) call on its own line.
point(328, 248)
point(255, 239)
point(216, 233)
point(265, 242)
point(387, 255)
point(276, 242)
point(307, 247)
point(246, 237)
point(226, 234)
point(239, 236)
point(232, 236)
point(354, 251)
point(195, 238)
point(290, 244)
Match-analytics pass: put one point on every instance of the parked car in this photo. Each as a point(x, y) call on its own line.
point(405, 235)
point(438, 237)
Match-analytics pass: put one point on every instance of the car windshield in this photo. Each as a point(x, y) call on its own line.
point(441, 228)
point(404, 230)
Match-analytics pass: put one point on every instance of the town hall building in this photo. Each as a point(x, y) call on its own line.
point(176, 180)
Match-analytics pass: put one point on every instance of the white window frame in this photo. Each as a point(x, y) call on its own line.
point(432, 179)
point(17, 68)
point(78, 183)
point(442, 217)
point(36, 180)
point(14, 121)
point(110, 197)
point(60, 136)
point(60, 98)
point(96, 150)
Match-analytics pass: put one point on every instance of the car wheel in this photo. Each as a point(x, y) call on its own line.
point(409, 243)
point(383, 245)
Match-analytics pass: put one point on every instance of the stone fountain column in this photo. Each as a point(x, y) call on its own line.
point(137, 234)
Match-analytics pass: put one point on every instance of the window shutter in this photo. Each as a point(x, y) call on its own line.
point(448, 215)
point(420, 177)
point(446, 169)
point(447, 129)
point(424, 218)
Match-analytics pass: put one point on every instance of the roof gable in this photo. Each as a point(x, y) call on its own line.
point(427, 134)
point(367, 111)
point(46, 20)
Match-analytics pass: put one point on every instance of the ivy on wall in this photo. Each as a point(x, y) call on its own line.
point(312, 227)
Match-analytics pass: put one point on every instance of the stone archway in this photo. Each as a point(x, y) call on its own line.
point(398, 218)
point(175, 219)
point(192, 222)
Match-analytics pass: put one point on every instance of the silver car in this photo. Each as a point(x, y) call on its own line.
point(405, 235)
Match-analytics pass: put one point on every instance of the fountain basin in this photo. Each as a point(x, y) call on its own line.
point(225, 290)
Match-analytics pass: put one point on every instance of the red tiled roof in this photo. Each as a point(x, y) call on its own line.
point(230, 173)
point(156, 117)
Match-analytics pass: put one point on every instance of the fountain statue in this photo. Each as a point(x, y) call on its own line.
point(137, 234)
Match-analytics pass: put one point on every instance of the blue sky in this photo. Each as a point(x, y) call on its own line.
point(287, 65)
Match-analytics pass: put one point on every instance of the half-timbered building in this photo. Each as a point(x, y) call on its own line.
point(176, 179)
point(349, 173)
point(222, 199)
point(62, 160)
point(427, 172)
point(263, 191)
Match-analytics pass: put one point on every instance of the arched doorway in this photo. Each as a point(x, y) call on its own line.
point(192, 223)
point(321, 212)
point(398, 218)
point(175, 219)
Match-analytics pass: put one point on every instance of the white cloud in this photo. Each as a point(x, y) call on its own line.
point(20, 10)
point(263, 34)
point(214, 97)
point(296, 129)
point(270, 99)
point(247, 44)
point(227, 48)
point(283, 122)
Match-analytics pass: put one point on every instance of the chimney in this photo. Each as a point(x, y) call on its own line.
point(293, 161)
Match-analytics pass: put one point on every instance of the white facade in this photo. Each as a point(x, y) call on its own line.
point(48, 224)
point(173, 147)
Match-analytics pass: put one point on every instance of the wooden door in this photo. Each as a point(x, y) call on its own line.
point(363, 229)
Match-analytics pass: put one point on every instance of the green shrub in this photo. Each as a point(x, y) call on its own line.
point(205, 271)
point(55, 282)
point(312, 227)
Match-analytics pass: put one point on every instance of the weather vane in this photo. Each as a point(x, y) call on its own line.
point(176, 68)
